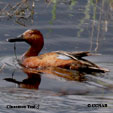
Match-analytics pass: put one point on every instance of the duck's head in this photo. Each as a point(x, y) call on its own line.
point(33, 37)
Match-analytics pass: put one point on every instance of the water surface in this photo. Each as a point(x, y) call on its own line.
point(75, 25)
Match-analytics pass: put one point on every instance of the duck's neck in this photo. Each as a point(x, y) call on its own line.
point(33, 51)
point(35, 47)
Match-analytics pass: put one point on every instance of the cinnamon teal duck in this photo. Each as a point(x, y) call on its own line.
point(66, 60)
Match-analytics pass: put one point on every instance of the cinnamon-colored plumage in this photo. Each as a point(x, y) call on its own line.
point(46, 60)
point(67, 60)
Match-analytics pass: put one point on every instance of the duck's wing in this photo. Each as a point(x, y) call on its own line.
point(80, 54)
point(86, 64)
point(75, 55)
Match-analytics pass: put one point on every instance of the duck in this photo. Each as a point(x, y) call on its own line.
point(61, 59)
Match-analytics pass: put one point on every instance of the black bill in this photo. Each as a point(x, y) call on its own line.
point(18, 39)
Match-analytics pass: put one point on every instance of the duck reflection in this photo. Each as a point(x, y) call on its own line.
point(33, 79)
point(31, 82)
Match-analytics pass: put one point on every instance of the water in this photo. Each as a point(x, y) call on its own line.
point(71, 26)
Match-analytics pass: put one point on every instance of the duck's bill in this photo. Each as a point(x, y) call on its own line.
point(18, 39)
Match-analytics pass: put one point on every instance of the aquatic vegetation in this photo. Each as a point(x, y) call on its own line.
point(101, 15)
point(85, 18)
point(94, 19)
point(53, 13)
point(22, 12)
point(97, 13)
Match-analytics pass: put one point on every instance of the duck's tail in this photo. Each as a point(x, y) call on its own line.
point(96, 70)
point(90, 67)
